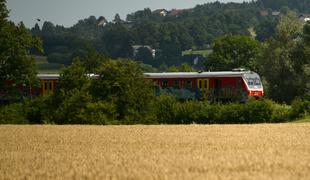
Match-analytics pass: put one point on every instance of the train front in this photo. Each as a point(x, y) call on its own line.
point(253, 84)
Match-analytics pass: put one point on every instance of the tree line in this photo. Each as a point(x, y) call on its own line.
point(169, 35)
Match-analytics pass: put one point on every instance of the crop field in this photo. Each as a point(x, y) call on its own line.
point(262, 151)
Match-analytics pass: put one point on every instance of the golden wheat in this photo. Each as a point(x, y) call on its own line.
point(280, 151)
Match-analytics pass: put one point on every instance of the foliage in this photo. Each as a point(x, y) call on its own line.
point(78, 108)
point(302, 6)
point(171, 111)
point(16, 64)
point(180, 30)
point(300, 107)
point(231, 52)
point(144, 55)
point(285, 60)
point(118, 41)
point(121, 82)
point(3, 13)
point(182, 68)
point(36, 110)
point(12, 114)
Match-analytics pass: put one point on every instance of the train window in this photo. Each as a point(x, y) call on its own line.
point(176, 84)
point(218, 84)
point(164, 84)
point(189, 84)
point(250, 82)
point(253, 80)
point(206, 84)
point(200, 84)
point(257, 82)
point(254, 83)
point(45, 86)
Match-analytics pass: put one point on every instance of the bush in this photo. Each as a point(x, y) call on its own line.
point(36, 110)
point(171, 111)
point(300, 108)
point(280, 112)
point(77, 107)
point(99, 113)
point(12, 114)
point(185, 113)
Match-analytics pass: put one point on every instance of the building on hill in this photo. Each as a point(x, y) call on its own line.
point(264, 13)
point(137, 47)
point(161, 12)
point(275, 13)
point(177, 12)
point(304, 17)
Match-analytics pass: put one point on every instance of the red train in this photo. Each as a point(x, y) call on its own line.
point(214, 86)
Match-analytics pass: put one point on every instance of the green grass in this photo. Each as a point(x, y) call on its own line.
point(43, 66)
point(197, 52)
point(304, 120)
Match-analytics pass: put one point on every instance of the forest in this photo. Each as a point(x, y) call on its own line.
point(270, 38)
point(168, 32)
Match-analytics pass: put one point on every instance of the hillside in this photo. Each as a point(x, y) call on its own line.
point(160, 36)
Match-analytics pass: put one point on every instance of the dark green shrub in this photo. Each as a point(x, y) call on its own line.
point(280, 112)
point(36, 109)
point(99, 113)
point(232, 113)
point(77, 108)
point(300, 108)
point(164, 109)
point(12, 114)
point(257, 111)
point(185, 113)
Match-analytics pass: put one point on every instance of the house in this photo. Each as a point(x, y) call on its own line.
point(304, 17)
point(102, 21)
point(177, 12)
point(264, 13)
point(275, 13)
point(161, 12)
point(136, 49)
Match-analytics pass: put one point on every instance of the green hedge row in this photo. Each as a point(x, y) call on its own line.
point(171, 111)
point(166, 109)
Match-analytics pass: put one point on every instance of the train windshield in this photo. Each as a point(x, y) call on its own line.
point(253, 81)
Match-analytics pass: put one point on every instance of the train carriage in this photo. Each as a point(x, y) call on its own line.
point(214, 86)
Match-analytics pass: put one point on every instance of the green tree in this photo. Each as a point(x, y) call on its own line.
point(306, 34)
point(118, 41)
point(16, 63)
point(121, 82)
point(3, 13)
point(145, 55)
point(284, 61)
point(233, 52)
point(92, 61)
point(72, 103)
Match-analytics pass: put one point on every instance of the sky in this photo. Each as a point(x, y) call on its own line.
point(68, 12)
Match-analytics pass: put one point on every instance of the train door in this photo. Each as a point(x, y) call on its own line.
point(47, 87)
point(203, 86)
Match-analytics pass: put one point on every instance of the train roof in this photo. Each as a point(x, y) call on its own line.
point(48, 76)
point(56, 76)
point(170, 75)
point(198, 74)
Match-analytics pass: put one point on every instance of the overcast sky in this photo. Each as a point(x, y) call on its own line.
point(68, 12)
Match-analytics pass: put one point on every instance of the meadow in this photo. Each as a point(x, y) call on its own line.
point(261, 151)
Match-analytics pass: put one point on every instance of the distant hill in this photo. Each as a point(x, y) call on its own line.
point(166, 32)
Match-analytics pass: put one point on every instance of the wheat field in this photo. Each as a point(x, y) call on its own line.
point(263, 151)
